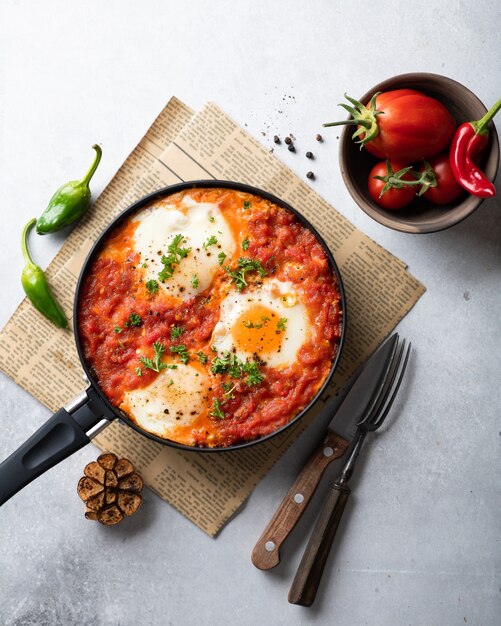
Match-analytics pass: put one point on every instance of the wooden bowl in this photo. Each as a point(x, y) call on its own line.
point(421, 216)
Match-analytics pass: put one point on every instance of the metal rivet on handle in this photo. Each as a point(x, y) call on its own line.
point(269, 546)
point(299, 498)
point(328, 452)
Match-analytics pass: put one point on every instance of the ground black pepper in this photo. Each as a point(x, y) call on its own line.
point(319, 137)
point(309, 155)
point(310, 175)
point(291, 148)
point(288, 141)
point(276, 139)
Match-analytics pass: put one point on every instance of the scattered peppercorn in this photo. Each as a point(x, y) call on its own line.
point(291, 148)
point(309, 155)
point(276, 139)
point(288, 141)
point(319, 137)
point(310, 175)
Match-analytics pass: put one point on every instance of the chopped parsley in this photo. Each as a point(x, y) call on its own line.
point(249, 324)
point(171, 382)
point(120, 343)
point(221, 257)
point(211, 218)
point(117, 329)
point(194, 281)
point(203, 358)
point(134, 320)
point(182, 352)
point(176, 331)
point(228, 391)
point(245, 265)
point(216, 410)
point(254, 376)
point(252, 325)
point(211, 241)
point(176, 253)
point(245, 244)
point(152, 286)
point(247, 204)
point(230, 364)
point(139, 371)
point(282, 323)
point(155, 363)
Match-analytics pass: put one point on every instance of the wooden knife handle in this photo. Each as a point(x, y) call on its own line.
point(266, 553)
point(309, 573)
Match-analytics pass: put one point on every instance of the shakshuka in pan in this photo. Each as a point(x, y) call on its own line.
point(210, 317)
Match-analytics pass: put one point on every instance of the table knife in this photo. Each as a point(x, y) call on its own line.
point(340, 433)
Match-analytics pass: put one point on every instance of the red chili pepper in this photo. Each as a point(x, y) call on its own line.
point(468, 143)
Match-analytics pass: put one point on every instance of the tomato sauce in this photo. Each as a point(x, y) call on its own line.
point(114, 288)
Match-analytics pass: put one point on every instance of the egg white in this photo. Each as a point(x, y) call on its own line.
point(197, 222)
point(164, 406)
point(280, 298)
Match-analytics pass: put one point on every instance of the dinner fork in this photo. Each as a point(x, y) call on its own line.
point(305, 585)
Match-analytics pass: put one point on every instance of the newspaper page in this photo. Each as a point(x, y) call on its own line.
point(206, 488)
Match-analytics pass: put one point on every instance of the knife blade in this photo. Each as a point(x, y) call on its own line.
point(340, 433)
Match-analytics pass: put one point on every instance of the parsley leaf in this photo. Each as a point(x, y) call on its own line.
point(245, 265)
point(176, 253)
point(194, 281)
point(221, 257)
point(228, 391)
point(171, 382)
point(220, 365)
point(282, 323)
point(182, 352)
point(202, 357)
point(247, 204)
point(211, 241)
point(134, 320)
point(117, 329)
point(216, 410)
point(176, 331)
point(152, 286)
point(139, 371)
point(211, 218)
point(230, 364)
point(254, 376)
point(245, 244)
point(155, 364)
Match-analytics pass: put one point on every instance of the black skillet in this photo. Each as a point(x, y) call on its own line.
point(73, 426)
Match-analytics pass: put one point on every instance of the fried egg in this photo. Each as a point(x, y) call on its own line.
point(270, 321)
point(171, 403)
point(204, 231)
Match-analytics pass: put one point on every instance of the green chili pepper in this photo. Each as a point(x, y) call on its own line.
point(37, 288)
point(69, 202)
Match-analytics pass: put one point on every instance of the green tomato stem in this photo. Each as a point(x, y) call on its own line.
point(364, 123)
point(86, 179)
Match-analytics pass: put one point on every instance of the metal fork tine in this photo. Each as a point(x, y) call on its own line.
point(387, 387)
point(384, 412)
point(375, 400)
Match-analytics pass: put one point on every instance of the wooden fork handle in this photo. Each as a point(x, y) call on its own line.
point(266, 553)
point(309, 573)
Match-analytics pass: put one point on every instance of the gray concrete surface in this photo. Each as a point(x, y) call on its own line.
point(420, 543)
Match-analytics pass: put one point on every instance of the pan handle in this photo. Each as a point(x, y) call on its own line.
point(65, 432)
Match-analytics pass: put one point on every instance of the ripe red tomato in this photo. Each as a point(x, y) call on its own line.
point(392, 199)
point(412, 126)
point(447, 189)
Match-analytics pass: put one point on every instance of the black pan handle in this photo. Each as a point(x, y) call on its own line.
point(65, 432)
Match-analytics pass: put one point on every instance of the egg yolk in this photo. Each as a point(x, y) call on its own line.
point(256, 331)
